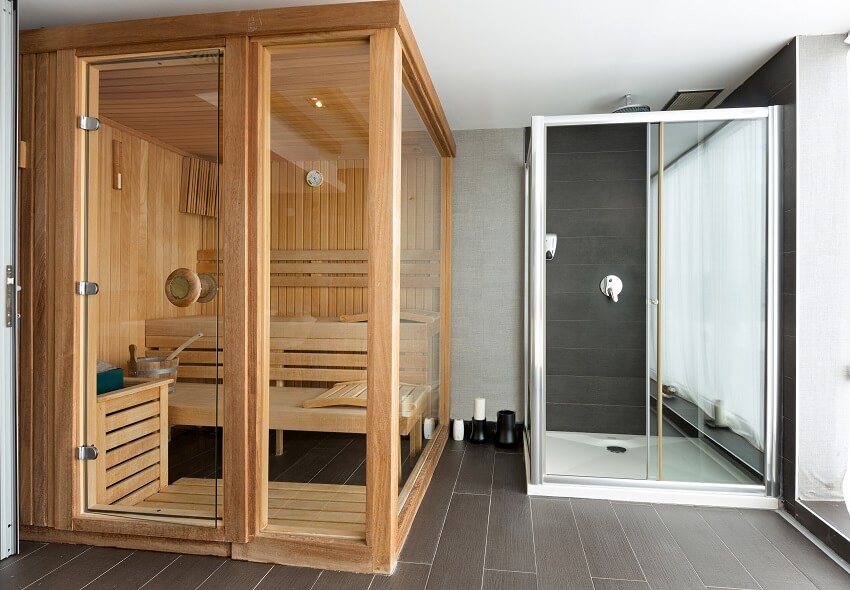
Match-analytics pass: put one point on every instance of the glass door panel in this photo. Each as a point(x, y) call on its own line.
point(596, 403)
point(709, 201)
point(317, 315)
point(420, 281)
point(153, 352)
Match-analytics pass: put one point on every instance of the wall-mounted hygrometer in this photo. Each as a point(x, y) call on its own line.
point(315, 178)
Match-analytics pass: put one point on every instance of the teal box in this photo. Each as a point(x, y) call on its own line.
point(110, 380)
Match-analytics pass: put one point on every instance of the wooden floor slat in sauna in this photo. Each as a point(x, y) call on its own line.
point(299, 508)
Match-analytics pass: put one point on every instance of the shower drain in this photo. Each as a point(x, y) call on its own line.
point(615, 449)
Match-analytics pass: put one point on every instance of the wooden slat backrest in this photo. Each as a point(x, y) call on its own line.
point(308, 351)
point(420, 269)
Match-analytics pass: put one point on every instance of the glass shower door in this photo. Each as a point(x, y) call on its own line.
point(595, 299)
point(707, 336)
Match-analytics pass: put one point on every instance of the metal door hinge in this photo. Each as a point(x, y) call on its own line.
point(86, 288)
point(10, 296)
point(652, 301)
point(86, 453)
point(88, 123)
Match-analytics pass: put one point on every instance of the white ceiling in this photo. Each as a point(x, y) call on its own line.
point(497, 62)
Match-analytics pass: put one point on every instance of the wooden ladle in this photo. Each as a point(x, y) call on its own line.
point(180, 348)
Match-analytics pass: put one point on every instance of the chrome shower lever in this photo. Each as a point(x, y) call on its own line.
point(611, 286)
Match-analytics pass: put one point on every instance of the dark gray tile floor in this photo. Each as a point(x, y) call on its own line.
point(478, 530)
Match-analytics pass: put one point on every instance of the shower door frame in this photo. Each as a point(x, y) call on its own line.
point(542, 483)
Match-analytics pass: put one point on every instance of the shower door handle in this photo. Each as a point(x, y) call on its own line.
point(611, 286)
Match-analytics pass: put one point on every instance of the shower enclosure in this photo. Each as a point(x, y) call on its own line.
point(652, 306)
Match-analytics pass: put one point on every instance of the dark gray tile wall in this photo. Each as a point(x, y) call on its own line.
point(775, 83)
point(596, 349)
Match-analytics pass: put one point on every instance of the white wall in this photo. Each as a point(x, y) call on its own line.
point(487, 273)
point(823, 266)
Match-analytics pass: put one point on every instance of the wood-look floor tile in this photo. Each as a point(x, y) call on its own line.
point(329, 580)
point(187, 572)
point(134, 571)
point(309, 465)
point(421, 544)
point(510, 539)
point(40, 563)
point(609, 554)
point(501, 580)
point(509, 473)
point(79, 572)
point(459, 562)
point(289, 577)
point(407, 576)
point(340, 469)
point(770, 568)
point(664, 565)
point(476, 472)
point(236, 574)
point(712, 560)
point(814, 563)
point(561, 564)
point(604, 584)
point(26, 547)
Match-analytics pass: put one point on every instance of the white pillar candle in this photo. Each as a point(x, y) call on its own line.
point(428, 428)
point(478, 410)
point(457, 429)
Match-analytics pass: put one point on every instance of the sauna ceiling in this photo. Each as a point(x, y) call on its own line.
point(172, 101)
point(175, 102)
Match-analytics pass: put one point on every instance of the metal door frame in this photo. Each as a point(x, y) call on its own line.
point(9, 266)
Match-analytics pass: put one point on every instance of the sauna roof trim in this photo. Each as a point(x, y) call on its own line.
point(211, 29)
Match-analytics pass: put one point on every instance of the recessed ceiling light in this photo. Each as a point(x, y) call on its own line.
point(316, 102)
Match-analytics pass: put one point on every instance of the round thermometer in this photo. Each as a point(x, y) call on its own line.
point(315, 178)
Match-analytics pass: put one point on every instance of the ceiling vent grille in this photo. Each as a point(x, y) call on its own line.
point(688, 100)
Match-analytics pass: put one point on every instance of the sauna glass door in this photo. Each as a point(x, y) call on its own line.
point(153, 354)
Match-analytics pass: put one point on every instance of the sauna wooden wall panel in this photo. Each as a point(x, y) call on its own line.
point(329, 217)
point(332, 217)
point(420, 221)
point(38, 74)
point(142, 237)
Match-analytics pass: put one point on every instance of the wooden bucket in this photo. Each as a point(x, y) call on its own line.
point(153, 367)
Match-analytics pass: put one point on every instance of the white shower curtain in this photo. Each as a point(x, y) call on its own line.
point(714, 271)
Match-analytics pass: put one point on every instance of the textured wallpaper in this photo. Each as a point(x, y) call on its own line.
point(487, 272)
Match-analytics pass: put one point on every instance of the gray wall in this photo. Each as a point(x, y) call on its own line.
point(487, 271)
point(596, 349)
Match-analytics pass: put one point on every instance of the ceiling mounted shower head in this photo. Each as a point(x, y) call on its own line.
point(630, 107)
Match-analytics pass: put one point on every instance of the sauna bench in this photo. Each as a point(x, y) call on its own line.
point(307, 356)
point(193, 404)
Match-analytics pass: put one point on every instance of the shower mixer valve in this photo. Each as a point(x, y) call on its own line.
point(611, 286)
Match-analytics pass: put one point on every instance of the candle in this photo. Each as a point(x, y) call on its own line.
point(478, 412)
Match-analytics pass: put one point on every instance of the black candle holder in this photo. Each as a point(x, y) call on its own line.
point(506, 429)
point(479, 431)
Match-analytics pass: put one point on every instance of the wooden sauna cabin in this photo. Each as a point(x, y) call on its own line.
point(257, 204)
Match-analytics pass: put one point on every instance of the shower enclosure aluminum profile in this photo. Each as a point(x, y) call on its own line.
point(540, 481)
point(537, 295)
